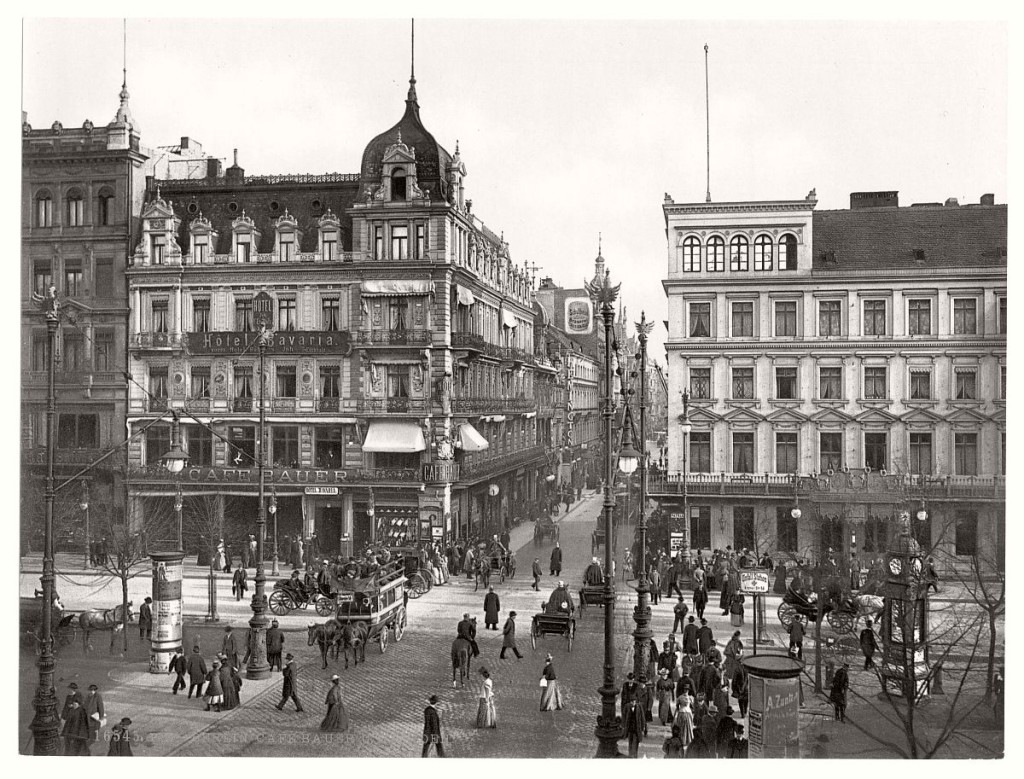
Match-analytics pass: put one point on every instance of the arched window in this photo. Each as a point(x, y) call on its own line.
point(762, 253)
point(716, 254)
point(787, 252)
point(105, 206)
point(739, 253)
point(44, 209)
point(75, 209)
point(691, 255)
point(398, 184)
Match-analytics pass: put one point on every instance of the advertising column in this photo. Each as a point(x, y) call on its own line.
point(167, 576)
point(774, 706)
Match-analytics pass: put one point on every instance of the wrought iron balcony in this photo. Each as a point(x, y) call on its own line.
point(394, 337)
point(328, 404)
point(156, 340)
point(468, 341)
point(156, 404)
point(243, 405)
point(482, 464)
point(283, 404)
point(393, 406)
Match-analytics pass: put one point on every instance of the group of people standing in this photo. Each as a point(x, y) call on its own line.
point(83, 719)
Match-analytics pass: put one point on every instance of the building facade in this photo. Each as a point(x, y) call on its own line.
point(81, 190)
point(400, 382)
point(847, 363)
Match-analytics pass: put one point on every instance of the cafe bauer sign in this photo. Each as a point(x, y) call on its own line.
point(288, 342)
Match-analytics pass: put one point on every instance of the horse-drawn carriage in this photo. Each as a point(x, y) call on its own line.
point(419, 577)
point(63, 626)
point(287, 596)
point(555, 618)
point(545, 527)
point(842, 618)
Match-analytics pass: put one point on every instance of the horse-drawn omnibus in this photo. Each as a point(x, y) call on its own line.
point(374, 604)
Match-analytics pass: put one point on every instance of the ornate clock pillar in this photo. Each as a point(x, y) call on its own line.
point(905, 670)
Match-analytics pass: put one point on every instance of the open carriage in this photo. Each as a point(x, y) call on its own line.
point(287, 596)
point(556, 618)
point(842, 618)
point(62, 623)
point(418, 575)
point(545, 527)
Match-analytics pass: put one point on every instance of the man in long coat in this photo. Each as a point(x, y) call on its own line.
point(635, 724)
point(840, 684)
point(94, 711)
point(537, 573)
point(275, 645)
point(868, 645)
point(556, 560)
point(196, 667)
point(289, 689)
point(508, 640)
point(492, 605)
point(76, 731)
point(432, 728)
point(229, 647)
point(690, 644)
point(705, 638)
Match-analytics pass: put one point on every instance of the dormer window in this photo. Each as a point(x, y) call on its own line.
point(398, 184)
point(243, 248)
point(329, 245)
point(157, 249)
point(286, 249)
point(200, 248)
point(245, 238)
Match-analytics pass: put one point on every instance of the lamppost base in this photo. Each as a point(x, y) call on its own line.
point(258, 667)
point(45, 726)
point(273, 569)
point(608, 733)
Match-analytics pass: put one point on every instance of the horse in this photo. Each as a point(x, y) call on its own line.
point(103, 619)
point(353, 636)
point(483, 573)
point(462, 654)
point(325, 636)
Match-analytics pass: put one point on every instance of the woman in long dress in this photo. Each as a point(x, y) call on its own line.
point(214, 690)
point(336, 719)
point(733, 655)
point(551, 697)
point(736, 609)
point(485, 715)
point(221, 561)
point(684, 721)
point(227, 683)
point(665, 690)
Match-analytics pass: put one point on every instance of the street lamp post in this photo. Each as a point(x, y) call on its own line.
point(272, 508)
point(177, 510)
point(642, 613)
point(258, 668)
point(174, 461)
point(45, 721)
point(685, 427)
point(84, 505)
point(609, 725)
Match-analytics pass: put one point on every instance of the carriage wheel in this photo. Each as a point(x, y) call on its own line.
point(571, 632)
point(417, 585)
point(534, 632)
point(280, 603)
point(382, 639)
point(400, 625)
point(324, 606)
point(841, 621)
point(787, 612)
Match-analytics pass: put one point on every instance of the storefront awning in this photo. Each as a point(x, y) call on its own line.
point(465, 295)
point(508, 319)
point(470, 439)
point(396, 287)
point(394, 436)
point(493, 418)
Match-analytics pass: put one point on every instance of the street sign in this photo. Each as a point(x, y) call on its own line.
point(437, 532)
point(262, 309)
point(321, 490)
point(676, 541)
point(754, 582)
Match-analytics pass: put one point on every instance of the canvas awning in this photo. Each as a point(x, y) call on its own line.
point(470, 439)
point(465, 295)
point(391, 287)
point(394, 436)
point(508, 319)
point(493, 418)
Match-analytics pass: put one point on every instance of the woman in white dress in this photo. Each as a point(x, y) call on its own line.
point(485, 715)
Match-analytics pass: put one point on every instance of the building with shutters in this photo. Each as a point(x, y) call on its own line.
point(849, 363)
point(400, 388)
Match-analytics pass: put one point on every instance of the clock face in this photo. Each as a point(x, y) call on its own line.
point(896, 566)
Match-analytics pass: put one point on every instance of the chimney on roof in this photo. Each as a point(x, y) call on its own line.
point(952, 202)
point(988, 200)
point(874, 200)
point(236, 174)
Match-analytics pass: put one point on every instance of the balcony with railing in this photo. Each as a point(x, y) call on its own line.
point(483, 465)
point(283, 404)
point(492, 405)
point(328, 405)
point(156, 341)
point(394, 337)
point(470, 341)
point(154, 403)
point(393, 405)
point(243, 405)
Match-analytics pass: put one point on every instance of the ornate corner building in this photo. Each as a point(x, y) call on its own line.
point(401, 384)
point(849, 363)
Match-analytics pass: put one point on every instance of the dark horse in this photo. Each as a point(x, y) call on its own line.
point(102, 619)
point(483, 573)
point(353, 637)
point(462, 654)
point(326, 637)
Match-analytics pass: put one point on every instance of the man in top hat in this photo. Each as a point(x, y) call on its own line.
point(229, 647)
point(146, 619)
point(121, 739)
point(289, 689)
point(556, 560)
point(868, 644)
point(275, 645)
point(432, 728)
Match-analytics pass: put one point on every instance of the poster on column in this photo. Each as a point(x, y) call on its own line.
point(167, 581)
point(755, 720)
point(167, 620)
point(781, 717)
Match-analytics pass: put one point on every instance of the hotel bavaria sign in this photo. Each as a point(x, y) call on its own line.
point(288, 342)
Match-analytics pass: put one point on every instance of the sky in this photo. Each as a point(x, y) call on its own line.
point(569, 128)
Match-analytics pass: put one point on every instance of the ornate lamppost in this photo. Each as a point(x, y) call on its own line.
point(684, 428)
point(83, 503)
point(272, 508)
point(609, 724)
point(174, 461)
point(45, 721)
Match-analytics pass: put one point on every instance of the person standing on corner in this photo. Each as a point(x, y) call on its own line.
point(432, 728)
point(146, 619)
point(868, 644)
point(229, 646)
point(556, 560)
point(239, 584)
point(551, 697)
point(840, 684)
point(275, 645)
point(654, 578)
point(290, 687)
point(508, 640)
point(492, 605)
point(679, 609)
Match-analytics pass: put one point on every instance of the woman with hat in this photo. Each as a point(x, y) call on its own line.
point(551, 697)
point(214, 689)
point(230, 682)
point(684, 722)
point(733, 655)
point(336, 719)
point(665, 692)
point(485, 714)
point(120, 740)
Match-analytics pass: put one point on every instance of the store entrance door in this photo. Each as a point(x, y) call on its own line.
point(331, 527)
